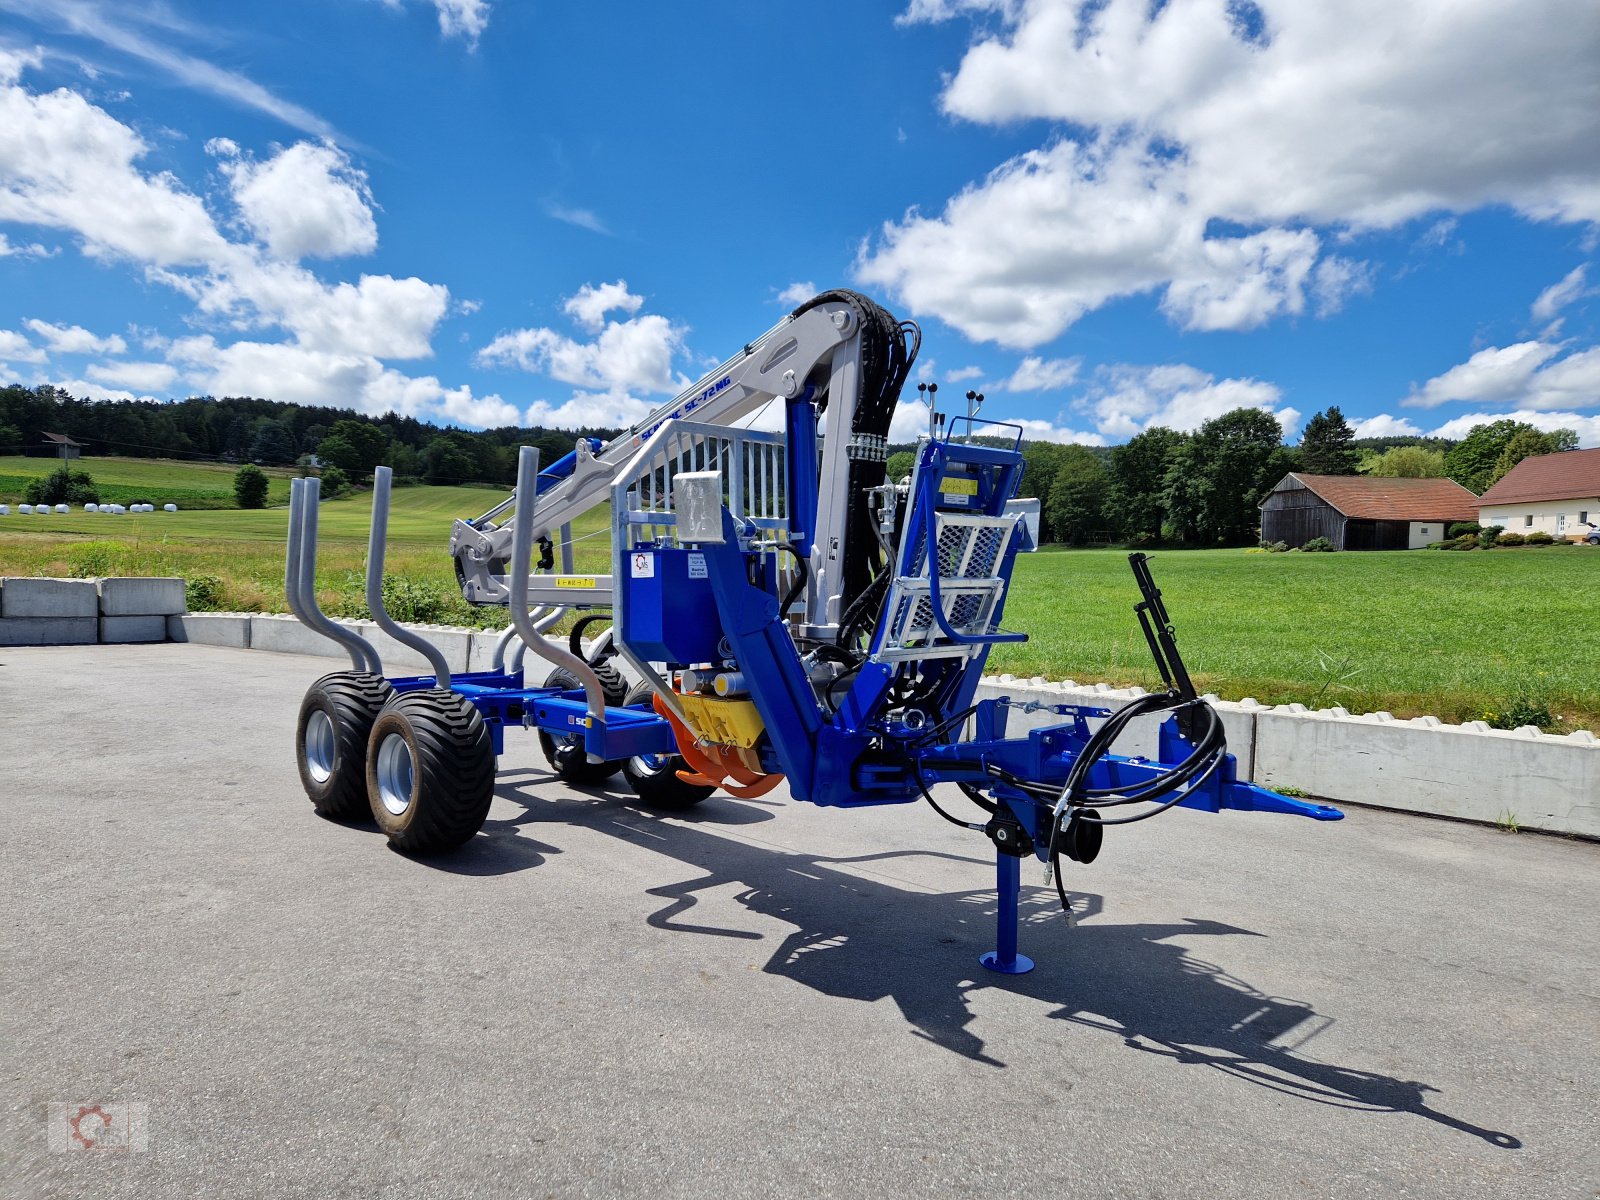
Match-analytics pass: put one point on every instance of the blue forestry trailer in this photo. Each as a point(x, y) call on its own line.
point(786, 615)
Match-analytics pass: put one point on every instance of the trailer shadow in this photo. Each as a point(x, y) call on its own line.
point(857, 935)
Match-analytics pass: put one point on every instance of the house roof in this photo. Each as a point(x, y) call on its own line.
point(1366, 497)
point(61, 439)
point(1567, 475)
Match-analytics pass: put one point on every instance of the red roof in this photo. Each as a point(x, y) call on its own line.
point(61, 439)
point(1368, 498)
point(1569, 475)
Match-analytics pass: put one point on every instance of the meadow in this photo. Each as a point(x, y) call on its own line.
point(157, 481)
point(1459, 635)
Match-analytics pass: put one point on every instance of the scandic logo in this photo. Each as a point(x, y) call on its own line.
point(99, 1125)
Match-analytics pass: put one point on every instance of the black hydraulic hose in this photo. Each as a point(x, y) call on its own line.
point(800, 582)
point(575, 638)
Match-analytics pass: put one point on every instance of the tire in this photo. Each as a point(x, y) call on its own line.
point(654, 778)
point(330, 741)
point(565, 753)
point(430, 771)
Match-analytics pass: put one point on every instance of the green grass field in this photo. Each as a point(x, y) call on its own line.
point(159, 481)
point(243, 550)
point(1454, 634)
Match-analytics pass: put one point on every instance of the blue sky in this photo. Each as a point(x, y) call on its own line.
point(1104, 215)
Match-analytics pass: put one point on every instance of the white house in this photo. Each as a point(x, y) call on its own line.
point(1556, 493)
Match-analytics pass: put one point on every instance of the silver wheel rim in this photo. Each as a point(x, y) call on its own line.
point(650, 764)
point(396, 774)
point(320, 746)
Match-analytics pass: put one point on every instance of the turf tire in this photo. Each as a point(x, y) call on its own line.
point(444, 742)
point(340, 708)
point(655, 779)
point(565, 754)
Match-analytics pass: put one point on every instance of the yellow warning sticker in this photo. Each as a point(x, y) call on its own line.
point(575, 581)
point(958, 485)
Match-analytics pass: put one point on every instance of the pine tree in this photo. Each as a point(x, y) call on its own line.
point(1327, 446)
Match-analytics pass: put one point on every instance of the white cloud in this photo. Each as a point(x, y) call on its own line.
point(306, 201)
point(65, 164)
point(962, 374)
point(75, 339)
point(1195, 116)
point(797, 294)
point(31, 250)
point(86, 389)
point(1335, 280)
point(465, 19)
point(625, 356)
point(14, 347)
point(603, 409)
point(1045, 431)
point(112, 24)
point(590, 306)
point(1384, 425)
point(583, 218)
point(1558, 295)
point(1034, 374)
point(1496, 374)
point(1127, 400)
point(1587, 428)
point(141, 376)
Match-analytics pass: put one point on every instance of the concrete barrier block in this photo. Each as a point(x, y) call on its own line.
point(481, 656)
point(49, 598)
point(141, 597)
point(455, 644)
point(210, 629)
point(48, 631)
point(1448, 770)
point(144, 627)
point(286, 635)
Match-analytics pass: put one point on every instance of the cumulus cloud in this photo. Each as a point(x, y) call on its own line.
point(1034, 374)
point(31, 250)
point(15, 347)
point(66, 164)
point(1265, 120)
point(140, 376)
point(75, 339)
point(306, 201)
point(600, 409)
point(590, 306)
point(1126, 400)
point(962, 374)
point(797, 294)
point(624, 357)
point(1492, 375)
point(465, 19)
point(1560, 294)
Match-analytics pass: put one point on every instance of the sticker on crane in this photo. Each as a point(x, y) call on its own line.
point(956, 488)
point(644, 566)
point(697, 566)
point(575, 581)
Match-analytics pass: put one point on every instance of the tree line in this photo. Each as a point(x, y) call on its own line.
point(244, 429)
point(1205, 488)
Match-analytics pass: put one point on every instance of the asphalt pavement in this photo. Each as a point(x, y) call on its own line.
point(754, 999)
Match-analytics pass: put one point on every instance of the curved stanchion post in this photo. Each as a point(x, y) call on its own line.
point(502, 644)
point(521, 561)
point(300, 577)
point(382, 480)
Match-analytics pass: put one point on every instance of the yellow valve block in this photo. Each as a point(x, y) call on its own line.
point(727, 722)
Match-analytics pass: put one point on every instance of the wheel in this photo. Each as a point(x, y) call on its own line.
point(330, 741)
point(655, 776)
point(430, 771)
point(565, 753)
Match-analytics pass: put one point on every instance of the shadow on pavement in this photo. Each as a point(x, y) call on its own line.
point(860, 937)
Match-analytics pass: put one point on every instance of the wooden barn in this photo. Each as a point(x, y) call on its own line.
point(1359, 512)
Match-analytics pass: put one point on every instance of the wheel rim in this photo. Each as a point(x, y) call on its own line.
point(650, 764)
point(320, 746)
point(396, 774)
